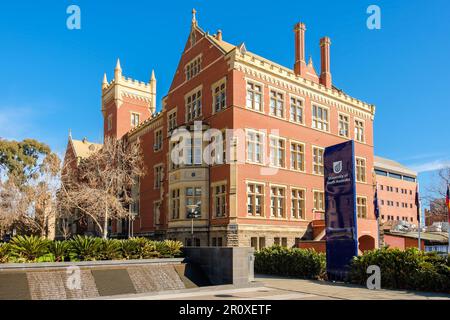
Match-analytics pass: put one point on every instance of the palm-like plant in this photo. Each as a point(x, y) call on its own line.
point(59, 249)
point(109, 249)
point(85, 248)
point(129, 249)
point(29, 248)
point(173, 248)
point(4, 252)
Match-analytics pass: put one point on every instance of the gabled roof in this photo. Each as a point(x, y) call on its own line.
point(392, 166)
point(83, 148)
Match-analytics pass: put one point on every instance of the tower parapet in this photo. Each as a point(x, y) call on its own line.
point(126, 101)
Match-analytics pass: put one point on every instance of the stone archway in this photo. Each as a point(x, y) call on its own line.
point(366, 243)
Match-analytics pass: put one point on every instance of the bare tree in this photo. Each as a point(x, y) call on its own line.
point(437, 192)
point(100, 186)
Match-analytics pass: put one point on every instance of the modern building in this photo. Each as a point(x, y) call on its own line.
point(274, 122)
point(397, 186)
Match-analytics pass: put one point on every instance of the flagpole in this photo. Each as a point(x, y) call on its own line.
point(378, 218)
point(447, 202)
point(418, 216)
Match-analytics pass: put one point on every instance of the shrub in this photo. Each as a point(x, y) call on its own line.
point(82, 248)
point(410, 269)
point(109, 250)
point(85, 248)
point(173, 248)
point(302, 263)
point(129, 249)
point(28, 248)
point(60, 250)
point(4, 252)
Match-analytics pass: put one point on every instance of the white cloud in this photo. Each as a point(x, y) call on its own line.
point(431, 165)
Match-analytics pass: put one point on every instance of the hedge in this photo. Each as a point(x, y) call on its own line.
point(301, 263)
point(410, 269)
point(80, 248)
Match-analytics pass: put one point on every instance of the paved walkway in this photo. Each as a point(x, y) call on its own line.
point(278, 288)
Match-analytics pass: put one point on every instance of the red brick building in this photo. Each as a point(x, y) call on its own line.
point(271, 187)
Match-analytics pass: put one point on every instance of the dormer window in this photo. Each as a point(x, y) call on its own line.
point(193, 68)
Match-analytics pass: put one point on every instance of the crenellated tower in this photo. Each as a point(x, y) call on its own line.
point(126, 102)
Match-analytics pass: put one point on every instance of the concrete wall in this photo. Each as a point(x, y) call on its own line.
point(90, 279)
point(223, 265)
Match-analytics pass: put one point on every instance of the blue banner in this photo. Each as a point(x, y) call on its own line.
point(340, 208)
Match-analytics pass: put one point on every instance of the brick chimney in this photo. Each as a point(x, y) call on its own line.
point(325, 74)
point(300, 62)
point(219, 35)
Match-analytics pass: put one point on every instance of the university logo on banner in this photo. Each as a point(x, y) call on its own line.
point(337, 167)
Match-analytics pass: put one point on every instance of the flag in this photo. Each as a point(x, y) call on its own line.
point(447, 203)
point(418, 204)
point(375, 203)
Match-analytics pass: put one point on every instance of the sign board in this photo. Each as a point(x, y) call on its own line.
point(340, 208)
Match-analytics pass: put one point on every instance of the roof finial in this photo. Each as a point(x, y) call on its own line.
point(105, 81)
point(194, 19)
point(70, 134)
point(118, 71)
point(153, 75)
point(310, 62)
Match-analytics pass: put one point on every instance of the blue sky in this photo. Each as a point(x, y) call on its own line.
point(51, 76)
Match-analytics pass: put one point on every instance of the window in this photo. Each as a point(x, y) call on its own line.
point(194, 151)
point(296, 110)
point(172, 121)
point(254, 96)
point(219, 241)
point(277, 152)
point(255, 146)
point(220, 200)
point(135, 189)
point(157, 212)
point(255, 199)
point(110, 122)
point(381, 172)
point(134, 120)
point(343, 125)
point(319, 201)
point(276, 241)
point(318, 160)
point(320, 118)
point(194, 105)
point(276, 104)
point(193, 68)
point(297, 156)
point(194, 197)
point(262, 242)
point(361, 207)
point(158, 176)
point(297, 204)
point(284, 242)
point(158, 140)
point(219, 97)
point(277, 195)
point(360, 170)
point(359, 130)
point(254, 242)
point(218, 151)
point(175, 203)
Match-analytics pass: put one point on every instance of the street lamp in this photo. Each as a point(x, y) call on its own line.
point(192, 214)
